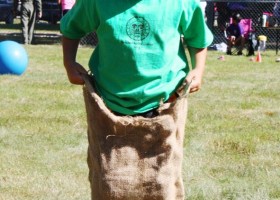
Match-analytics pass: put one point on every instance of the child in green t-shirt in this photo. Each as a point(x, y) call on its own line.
point(140, 60)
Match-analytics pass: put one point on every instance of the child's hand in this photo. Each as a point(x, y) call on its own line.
point(194, 78)
point(74, 72)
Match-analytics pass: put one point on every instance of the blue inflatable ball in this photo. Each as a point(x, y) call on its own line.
point(13, 58)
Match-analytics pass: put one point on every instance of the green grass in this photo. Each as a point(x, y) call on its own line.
point(232, 143)
point(233, 132)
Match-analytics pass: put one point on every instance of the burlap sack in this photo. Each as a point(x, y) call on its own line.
point(135, 158)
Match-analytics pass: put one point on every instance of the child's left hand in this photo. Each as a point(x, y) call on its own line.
point(194, 79)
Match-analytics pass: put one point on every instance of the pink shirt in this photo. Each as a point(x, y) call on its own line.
point(67, 4)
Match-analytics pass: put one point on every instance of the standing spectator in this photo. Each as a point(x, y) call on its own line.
point(66, 5)
point(30, 11)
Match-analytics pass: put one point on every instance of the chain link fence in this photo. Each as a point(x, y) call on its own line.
point(218, 14)
point(90, 39)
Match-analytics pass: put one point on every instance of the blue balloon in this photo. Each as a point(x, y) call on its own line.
point(13, 58)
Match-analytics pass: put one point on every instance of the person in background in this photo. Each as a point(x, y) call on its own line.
point(235, 35)
point(66, 5)
point(30, 10)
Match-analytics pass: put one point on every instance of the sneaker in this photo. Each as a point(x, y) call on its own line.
point(239, 53)
point(229, 52)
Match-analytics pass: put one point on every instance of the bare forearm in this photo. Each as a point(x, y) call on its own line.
point(69, 49)
point(73, 68)
point(198, 59)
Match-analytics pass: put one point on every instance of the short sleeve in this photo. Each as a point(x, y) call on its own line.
point(80, 20)
point(195, 31)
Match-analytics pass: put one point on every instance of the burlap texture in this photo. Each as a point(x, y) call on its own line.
point(135, 158)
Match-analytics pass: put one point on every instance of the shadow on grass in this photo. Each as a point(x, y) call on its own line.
point(40, 25)
point(39, 38)
point(44, 33)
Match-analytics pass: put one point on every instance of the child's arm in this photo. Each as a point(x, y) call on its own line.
point(198, 58)
point(74, 70)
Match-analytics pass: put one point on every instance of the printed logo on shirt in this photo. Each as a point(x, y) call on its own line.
point(137, 28)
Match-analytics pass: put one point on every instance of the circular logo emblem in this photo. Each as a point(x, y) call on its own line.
point(137, 28)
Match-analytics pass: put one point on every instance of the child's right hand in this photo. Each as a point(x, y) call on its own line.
point(75, 72)
point(74, 69)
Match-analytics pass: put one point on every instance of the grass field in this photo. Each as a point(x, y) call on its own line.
point(232, 142)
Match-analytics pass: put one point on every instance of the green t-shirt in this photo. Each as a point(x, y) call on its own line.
point(139, 60)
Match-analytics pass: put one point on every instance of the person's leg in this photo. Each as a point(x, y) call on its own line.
point(24, 22)
point(31, 24)
point(229, 46)
point(240, 42)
